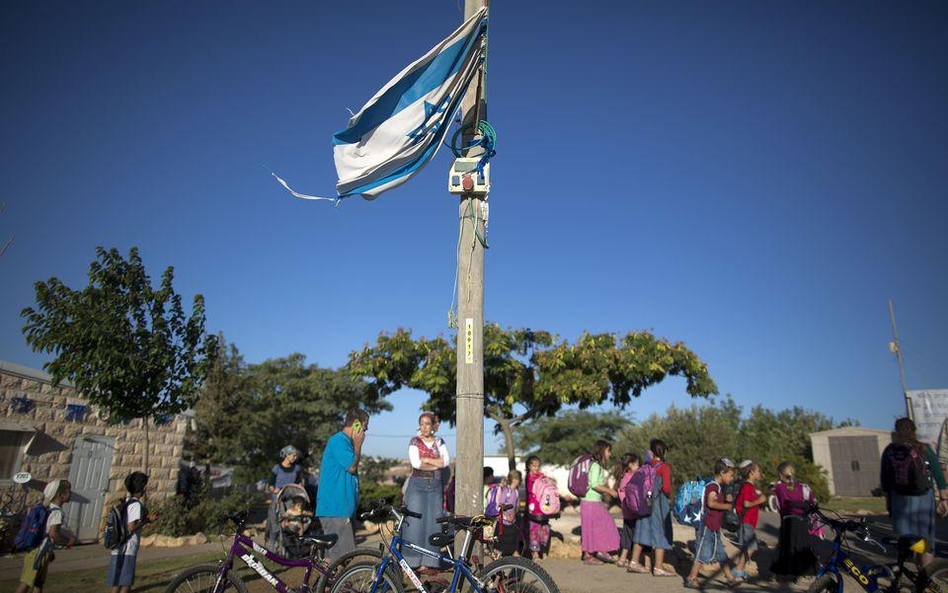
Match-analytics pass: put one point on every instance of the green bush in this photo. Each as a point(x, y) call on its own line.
point(176, 518)
point(371, 492)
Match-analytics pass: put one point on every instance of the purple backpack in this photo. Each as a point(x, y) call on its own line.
point(578, 483)
point(639, 490)
point(498, 496)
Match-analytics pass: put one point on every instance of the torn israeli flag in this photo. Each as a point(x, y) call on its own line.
point(401, 128)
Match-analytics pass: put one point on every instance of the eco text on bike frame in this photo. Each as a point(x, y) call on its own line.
point(461, 568)
point(866, 576)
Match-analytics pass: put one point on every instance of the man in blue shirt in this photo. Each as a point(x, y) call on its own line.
point(339, 481)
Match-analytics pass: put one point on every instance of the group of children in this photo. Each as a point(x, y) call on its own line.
point(643, 539)
point(523, 528)
point(50, 531)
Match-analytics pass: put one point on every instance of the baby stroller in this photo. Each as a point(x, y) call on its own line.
point(290, 518)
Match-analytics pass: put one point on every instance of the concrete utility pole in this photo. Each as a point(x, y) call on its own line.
point(896, 349)
point(469, 460)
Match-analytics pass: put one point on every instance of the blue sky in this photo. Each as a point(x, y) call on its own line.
point(753, 178)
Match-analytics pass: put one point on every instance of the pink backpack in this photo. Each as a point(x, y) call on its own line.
point(547, 496)
point(578, 483)
point(639, 490)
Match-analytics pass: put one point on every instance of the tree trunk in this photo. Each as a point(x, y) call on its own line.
point(508, 442)
point(147, 443)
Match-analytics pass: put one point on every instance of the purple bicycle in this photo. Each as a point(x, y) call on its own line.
point(222, 577)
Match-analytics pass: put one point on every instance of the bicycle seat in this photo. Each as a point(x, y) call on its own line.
point(464, 522)
point(441, 539)
point(323, 541)
point(907, 543)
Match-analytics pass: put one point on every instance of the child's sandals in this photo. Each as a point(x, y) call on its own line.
point(636, 568)
point(692, 584)
point(622, 563)
point(661, 572)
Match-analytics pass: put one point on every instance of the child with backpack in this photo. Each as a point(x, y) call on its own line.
point(538, 525)
point(710, 546)
point(655, 530)
point(749, 499)
point(506, 493)
point(124, 555)
point(628, 465)
point(910, 472)
point(599, 534)
point(44, 528)
point(795, 556)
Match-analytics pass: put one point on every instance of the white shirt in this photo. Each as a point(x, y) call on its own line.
point(133, 512)
point(55, 517)
point(415, 457)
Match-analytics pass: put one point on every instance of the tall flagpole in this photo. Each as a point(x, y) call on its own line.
point(896, 348)
point(469, 461)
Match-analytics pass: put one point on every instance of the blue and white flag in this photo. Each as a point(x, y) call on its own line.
point(401, 128)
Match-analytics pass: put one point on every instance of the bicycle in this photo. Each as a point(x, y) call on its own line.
point(221, 577)
point(506, 575)
point(931, 579)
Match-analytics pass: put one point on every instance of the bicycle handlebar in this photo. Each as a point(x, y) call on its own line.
point(383, 510)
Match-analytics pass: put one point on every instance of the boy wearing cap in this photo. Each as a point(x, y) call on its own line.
point(36, 562)
point(709, 548)
point(747, 504)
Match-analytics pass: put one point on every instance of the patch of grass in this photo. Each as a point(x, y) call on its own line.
point(151, 576)
point(873, 504)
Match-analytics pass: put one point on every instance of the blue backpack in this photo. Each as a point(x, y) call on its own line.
point(689, 503)
point(32, 529)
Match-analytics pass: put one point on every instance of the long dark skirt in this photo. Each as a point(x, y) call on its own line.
point(795, 557)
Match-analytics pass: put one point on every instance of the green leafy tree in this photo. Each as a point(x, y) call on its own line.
point(698, 435)
point(373, 469)
point(299, 404)
point(127, 346)
point(530, 374)
point(562, 438)
point(224, 412)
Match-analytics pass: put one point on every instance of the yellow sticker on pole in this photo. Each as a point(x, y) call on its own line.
point(469, 340)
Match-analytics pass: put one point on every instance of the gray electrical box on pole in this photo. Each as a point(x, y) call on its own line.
point(469, 458)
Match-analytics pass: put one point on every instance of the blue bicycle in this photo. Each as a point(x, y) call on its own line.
point(932, 579)
point(506, 575)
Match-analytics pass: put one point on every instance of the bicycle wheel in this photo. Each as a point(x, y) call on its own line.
point(516, 575)
point(360, 577)
point(337, 566)
point(934, 578)
point(828, 583)
point(202, 578)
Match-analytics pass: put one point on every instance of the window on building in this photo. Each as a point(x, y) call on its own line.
point(11, 453)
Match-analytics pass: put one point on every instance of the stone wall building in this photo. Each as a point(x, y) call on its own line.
point(52, 432)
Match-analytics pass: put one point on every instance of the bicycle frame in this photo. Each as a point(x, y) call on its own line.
point(866, 576)
point(245, 548)
point(395, 555)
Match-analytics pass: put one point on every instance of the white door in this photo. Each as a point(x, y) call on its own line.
point(89, 476)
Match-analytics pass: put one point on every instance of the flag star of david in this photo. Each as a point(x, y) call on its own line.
point(419, 133)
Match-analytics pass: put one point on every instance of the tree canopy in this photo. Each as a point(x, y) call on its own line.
point(529, 373)
point(569, 434)
point(247, 413)
point(128, 347)
point(698, 435)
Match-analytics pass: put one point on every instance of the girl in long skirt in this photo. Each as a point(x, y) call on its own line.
point(655, 531)
point(425, 493)
point(599, 534)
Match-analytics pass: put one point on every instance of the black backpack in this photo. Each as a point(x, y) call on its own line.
point(732, 518)
point(116, 526)
point(904, 471)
